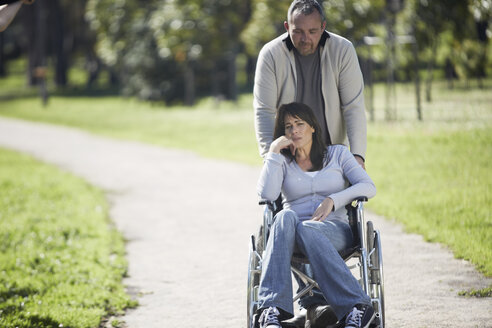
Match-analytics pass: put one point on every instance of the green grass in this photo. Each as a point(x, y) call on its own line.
point(61, 260)
point(439, 185)
point(433, 176)
point(211, 129)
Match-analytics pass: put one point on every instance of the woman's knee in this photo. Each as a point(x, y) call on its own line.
point(286, 219)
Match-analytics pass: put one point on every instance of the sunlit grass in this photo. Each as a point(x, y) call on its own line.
point(439, 185)
point(212, 128)
point(61, 261)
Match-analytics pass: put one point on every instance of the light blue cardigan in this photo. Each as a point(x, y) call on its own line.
point(342, 179)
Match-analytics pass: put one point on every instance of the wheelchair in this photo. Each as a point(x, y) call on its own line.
point(365, 255)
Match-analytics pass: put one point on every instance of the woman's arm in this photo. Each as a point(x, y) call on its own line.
point(271, 177)
point(361, 184)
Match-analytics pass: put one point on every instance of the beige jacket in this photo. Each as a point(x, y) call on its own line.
point(342, 90)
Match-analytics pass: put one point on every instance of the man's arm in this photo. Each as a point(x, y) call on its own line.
point(351, 90)
point(7, 13)
point(265, 100)
point(8, 10)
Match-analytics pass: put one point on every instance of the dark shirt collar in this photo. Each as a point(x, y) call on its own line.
point(290, 45)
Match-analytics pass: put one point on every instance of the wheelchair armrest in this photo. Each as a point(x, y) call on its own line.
point(271, 204)
point(358, 200)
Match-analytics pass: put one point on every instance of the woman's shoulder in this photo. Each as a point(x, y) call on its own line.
point(337, 149)
point(336, 152)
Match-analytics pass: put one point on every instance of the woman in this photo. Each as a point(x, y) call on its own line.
point(314, 183)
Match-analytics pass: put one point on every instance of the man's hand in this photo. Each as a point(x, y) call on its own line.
point(323, 210)
point(360, 160)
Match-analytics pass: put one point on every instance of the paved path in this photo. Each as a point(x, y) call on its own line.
point(188, 219)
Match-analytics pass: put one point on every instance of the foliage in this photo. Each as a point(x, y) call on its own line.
point(266, 23)
point(354, 19)
point(155, 44)
point(62, 262)
point(180, 50)
point(450, 27)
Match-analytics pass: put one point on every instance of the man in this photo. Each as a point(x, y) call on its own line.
point(309, 65)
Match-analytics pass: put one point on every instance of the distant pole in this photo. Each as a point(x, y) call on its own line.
point(415, 48)
point(370, 81)
point(392, 7)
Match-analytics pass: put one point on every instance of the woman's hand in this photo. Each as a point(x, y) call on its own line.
point(281, 143)
point(323, 210)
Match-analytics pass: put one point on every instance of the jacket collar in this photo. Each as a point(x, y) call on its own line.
point(322, 40)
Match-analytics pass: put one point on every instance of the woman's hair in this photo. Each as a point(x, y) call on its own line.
point(305, 113)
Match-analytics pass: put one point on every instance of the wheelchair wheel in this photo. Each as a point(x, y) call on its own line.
point(370, 250)
point(376, 277)
point(254, 272)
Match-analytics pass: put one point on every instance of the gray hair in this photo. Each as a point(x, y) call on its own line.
point(306, 7)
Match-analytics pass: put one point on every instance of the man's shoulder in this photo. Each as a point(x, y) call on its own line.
point(338, 41)
point(276, 45)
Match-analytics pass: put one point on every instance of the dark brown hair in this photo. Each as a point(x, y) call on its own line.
point(305, 113)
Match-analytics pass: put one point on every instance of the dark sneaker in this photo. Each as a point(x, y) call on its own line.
point(361, 316)
point(296, 321)
point(270, 318)
point(320, 316)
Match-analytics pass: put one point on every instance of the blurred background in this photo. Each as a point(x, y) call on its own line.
point(181, 51)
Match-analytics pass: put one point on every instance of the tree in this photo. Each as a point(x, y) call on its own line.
point(159, 48)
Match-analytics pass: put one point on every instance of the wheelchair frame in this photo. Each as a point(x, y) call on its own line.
point(366, 249)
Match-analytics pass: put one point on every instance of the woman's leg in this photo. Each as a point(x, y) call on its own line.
point(321, 241)
point(276, 280)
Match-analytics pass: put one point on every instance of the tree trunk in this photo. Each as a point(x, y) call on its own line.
point(189, 77)
point(250, 71)
point(390, 110)
point(2, 57)
point(231, 76)
point(59, 43)
point(417, 80)
point(40, 70)
point(430, 73)
point(30, 18)
point(214, 81)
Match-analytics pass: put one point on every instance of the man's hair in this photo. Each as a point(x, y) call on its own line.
point(305, 7)
point(305, 113)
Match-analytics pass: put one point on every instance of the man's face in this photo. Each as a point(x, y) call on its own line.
point(305, 31)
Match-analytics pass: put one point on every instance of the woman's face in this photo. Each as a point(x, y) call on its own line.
point(299, 131)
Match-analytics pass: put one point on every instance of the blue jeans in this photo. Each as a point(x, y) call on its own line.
point(310, 299)
point(320, 242)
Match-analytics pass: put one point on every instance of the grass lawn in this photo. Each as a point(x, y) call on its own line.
point(61, 260)
point(433, 176)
